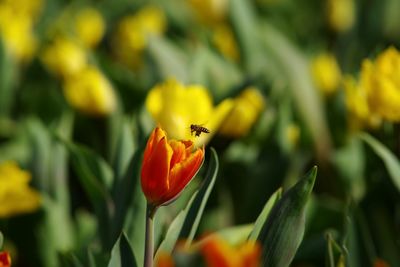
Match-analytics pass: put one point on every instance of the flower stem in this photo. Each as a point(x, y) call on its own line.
point(149, 239)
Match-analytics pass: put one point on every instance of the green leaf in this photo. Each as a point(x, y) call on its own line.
point(187, 221)
point(1, 240)
point(196, 209)
point(122, 254)
point(124, 191)
point(171, 62)
point(276, 196)
point(335, 252)
point(168, 244)
point(8, 73)
point(244, 22)
point(283, 231)
point(292, 68)
point(389, 159)
point(95, 175)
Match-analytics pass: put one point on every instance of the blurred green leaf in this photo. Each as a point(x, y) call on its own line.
point(8, 74)
point(95, 175)
point(70, 260)
point(134, 224)
point(198, 204)
point(293, 69)
point(389, 159)
point(1, 240)
point(283, 231)
point(245, 24)
point(264, 214)
point(335, 253)
point(350, 163)
point(122, 254)
point(170, 60)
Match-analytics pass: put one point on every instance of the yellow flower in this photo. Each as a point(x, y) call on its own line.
point(246, 109)
point(381, 80)
point(175, 107)
point(341, 14)
point(90, 92)
point(16, 32)
point(326, 73)
point(292, 132)
point(360, 114)
point(131, 36)
point(25, 8)
point(64, 57)
point(225, 42)
point(89, 26)
point(16, 196)
point(210, 12)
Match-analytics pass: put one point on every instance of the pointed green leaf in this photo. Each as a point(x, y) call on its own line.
point(122, 254)
point(264, 214)
point(195, 212)
point(283, 231)
point(389, 159)
point(187, 221)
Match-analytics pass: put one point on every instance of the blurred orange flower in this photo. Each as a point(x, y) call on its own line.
point(168, 166)
point(5, 259)
point(219, 253)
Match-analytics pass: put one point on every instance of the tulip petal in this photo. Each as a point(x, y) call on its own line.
point(156, 135)
point(155, 171)
point(179, 152)
point(183, 172)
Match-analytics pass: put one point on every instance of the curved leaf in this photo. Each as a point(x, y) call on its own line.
point(283, 231)
point(389, 159)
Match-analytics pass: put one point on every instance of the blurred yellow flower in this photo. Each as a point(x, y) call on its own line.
point(175, 107)
point(341, 14)
point(16, 196)
point(90, 92)
point(381, 80)
point(245, 112)
point(360, 115)
point(292, 132)
point(210, 12)
point(16, 31)
point(131, 35)
point(64, 57)
point(25, 8)
point(89, 27)
point(326, 73)
point(225, 42)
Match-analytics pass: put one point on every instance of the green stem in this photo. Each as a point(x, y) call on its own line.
point(149, 240)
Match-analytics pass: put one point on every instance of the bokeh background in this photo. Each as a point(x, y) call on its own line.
point(282, 85)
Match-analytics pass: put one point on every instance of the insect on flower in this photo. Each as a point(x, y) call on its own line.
point(198, 129)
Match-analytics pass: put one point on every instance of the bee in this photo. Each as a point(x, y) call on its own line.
point(198, 129)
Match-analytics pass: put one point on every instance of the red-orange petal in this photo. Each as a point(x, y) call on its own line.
point(183, 172)
point(179, 152)
point(156, 135)
point(5, 259)
point(155, 172)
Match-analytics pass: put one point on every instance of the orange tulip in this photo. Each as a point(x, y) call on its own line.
point(5, 259)
point(219, 253)
point(168, 166)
